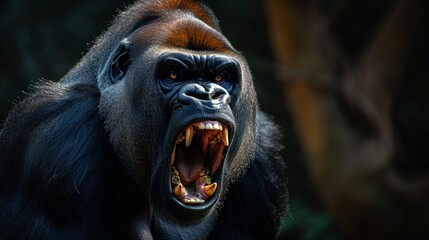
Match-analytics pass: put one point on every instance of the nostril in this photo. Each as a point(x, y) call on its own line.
point(215, 91)
point(200, 92)
point(208, 94)
point(210, 90)
point(190, 92)
point(218, 94)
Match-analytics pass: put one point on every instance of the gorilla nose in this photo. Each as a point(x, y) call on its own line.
point(209, 95)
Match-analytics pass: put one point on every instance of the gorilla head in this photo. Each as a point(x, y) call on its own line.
point(179, 105)
point(173, 102)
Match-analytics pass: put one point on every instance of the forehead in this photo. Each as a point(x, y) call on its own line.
point(180, 29)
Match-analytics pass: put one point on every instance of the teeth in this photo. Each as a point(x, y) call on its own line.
point(179, 190)
point(225, 137)
point(210, 189)
point(175, 180)
point(189, 135)
point(215, 140)
point(210, 126)
point(193, 201)
point(216, 126)
point(206, 179)
point(204, 172)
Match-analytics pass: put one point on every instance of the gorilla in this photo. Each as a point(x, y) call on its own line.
point(155, 134)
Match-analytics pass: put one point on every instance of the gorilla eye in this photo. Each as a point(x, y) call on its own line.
point(218, 78)
point(173, 75)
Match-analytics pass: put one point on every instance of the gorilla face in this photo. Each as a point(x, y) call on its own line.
point(174, 86)
point(198, 89)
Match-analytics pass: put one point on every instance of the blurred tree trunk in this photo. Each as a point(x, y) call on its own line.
point(347, 97)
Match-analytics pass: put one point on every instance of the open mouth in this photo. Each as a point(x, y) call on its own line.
point(197, 155)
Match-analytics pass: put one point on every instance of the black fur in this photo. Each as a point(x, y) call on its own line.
point(54, 165)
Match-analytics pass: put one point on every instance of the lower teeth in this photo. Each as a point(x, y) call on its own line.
point(203, 188)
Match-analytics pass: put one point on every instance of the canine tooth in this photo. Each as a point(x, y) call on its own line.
point(201, 125)
point(210, 189)
point(209, 126)
point(216, 126)
point(179, 190)
point(225, 137)
point(189, 135)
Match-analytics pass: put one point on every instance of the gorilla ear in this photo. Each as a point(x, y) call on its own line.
point(121, 61)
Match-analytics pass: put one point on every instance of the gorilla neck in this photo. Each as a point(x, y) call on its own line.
point(164, 229)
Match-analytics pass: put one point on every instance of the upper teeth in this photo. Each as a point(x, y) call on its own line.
point(210, 126)
point(189, 132)
point(225, 137)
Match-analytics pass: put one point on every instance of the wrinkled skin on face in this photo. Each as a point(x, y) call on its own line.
point(186, 153)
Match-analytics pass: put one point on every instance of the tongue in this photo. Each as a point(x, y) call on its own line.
point(189, 164)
